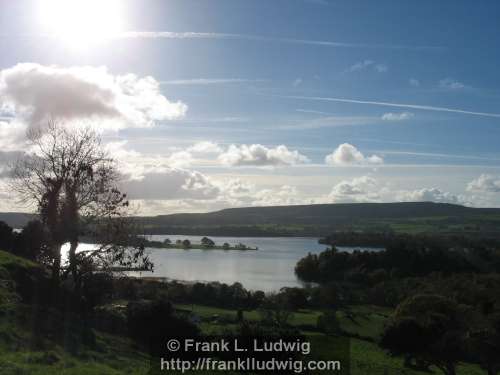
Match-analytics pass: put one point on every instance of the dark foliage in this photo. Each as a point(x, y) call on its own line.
point(152, 323)
point(429, 329)
point(404, 256)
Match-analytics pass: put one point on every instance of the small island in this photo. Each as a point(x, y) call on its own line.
point(205, 244)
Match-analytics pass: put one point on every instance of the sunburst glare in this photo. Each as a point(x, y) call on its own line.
point(82, 22)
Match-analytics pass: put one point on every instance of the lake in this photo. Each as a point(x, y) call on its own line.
point(269, 268)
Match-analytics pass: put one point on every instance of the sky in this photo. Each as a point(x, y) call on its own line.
point(230, 103)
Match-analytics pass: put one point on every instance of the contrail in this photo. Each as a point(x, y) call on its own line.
point(260, 38)
point(396, 105)
point(231, 36)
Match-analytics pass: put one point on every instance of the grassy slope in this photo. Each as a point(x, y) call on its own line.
point(114, 355)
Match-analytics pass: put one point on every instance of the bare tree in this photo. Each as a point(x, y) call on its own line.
point(73, 183)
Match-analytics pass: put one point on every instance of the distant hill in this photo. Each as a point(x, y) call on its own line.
point(318, 219)
point(16, 219)
point(319, 213)
point(323, 218)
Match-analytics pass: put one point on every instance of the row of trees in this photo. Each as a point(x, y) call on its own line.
point(407, 257)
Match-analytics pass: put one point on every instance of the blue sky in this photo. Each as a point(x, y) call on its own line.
point(403, 95)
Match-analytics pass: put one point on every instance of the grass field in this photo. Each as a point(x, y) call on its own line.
point(365, 321)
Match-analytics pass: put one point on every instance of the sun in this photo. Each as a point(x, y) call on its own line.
point(81, 22)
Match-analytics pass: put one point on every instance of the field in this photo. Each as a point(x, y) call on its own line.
point(365, 322)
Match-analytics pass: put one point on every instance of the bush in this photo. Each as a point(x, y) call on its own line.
point(150, 323)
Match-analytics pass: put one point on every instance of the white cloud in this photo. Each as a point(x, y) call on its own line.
point(238, 193)
point(368, 64)
point(429, 195)
point(180, 159)
point(450, 84)
point(135, 165)
point(414, 82)
point(12, 135)
point(347, 154)
point(485, 183)
point(297, 82)
point(259, 155)
point(401, 116)
point(34, 93)
point(172, 183)
point(205, 147)
point(283, 196)
point(359, 189)
point(361, 65)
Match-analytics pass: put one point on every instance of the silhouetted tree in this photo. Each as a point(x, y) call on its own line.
point(73, 183)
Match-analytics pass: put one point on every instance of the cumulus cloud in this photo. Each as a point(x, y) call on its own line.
point(451, 84)
point(429, 195)
point(401, 116)
point(205, 147)
point(259, 155)
point(346, 154)
point(180, 159)
point(238, 193)
point(34, 93)
point(485, 183)
point(135, 165)
point(359, 189)
point(12, 135)
point(283, 196)
point(7, 160)
point(173, 183)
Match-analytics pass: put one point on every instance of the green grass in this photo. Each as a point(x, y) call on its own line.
point(364, 321)
point(366, 356)
point(112, 355)
point(8, 260)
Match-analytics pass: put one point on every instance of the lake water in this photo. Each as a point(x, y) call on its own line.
point(269, 268)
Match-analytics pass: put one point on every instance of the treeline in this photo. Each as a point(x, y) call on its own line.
point(404, 256)
point(268, 230)
point(387, 238)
